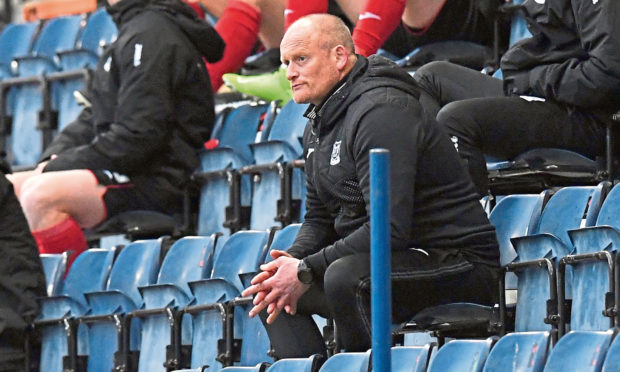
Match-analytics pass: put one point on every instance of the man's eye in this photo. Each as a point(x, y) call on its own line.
point(301, 59)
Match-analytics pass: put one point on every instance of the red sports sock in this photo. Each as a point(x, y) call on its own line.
point(64, 236)
point(238, 26)
point(296, 9)
point(378, 19)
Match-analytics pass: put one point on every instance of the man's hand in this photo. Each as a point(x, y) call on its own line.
point(276, 287)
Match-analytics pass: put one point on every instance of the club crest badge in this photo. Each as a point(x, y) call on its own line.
point(335, 159)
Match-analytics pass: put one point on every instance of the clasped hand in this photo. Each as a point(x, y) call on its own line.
point(276, 287)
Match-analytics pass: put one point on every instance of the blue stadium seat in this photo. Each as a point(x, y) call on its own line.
point(15, 40)
point(89, 272)
point(582, 351)
point(237, 132)
point(283, 145)
point(565, 210)
point(461, 356)
point(99, 32)
point(137, 265)
point(310, 364)
point(54, 266)
point(523, 351)
point(593, 264)
point(189, 259)
point(26, 141)
point(410, 358)
point(257, 368)
point(241, 253)
point(513, 216)
point(612, 360)
point(347, 362)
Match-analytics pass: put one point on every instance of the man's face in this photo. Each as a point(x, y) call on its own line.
point(312, 70)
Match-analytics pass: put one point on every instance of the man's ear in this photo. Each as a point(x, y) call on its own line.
point(342, 56)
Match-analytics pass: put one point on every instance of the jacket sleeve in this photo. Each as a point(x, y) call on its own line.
point(143, 113)
point(77, 133)
point(594, 81)
point(393, 128)
point(317, 230)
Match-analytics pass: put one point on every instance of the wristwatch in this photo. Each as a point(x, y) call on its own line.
point(304, 273)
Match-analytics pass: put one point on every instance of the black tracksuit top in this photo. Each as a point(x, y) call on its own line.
point(433, 201)
point(152, 101)
point(573, 56)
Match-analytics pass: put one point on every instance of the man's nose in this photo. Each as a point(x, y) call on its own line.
point(290, 72)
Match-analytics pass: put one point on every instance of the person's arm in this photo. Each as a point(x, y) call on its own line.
point(77, 133)
point(594, 81)
point(392, 128)
point(144, 110)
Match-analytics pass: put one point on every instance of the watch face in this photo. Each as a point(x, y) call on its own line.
point(304, 273)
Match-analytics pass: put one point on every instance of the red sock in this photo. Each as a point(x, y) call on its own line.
point(65, 236)
point(238, 26)
point(378, 19)
point(296, 9)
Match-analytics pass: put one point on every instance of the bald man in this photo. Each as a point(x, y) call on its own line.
point(443, 247)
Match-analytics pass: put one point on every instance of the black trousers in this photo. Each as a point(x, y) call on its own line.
point(419, 279)
point(21, 279)
point(472, 109)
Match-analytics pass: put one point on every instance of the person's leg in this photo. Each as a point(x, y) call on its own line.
point(58, 205)
point(297, 336)
point(296, 9)
point(420, 14)
point(445, 82)
point(416, 282)
point(504, 127)
point(374, 24)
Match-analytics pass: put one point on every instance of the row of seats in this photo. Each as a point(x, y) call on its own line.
point(41, 65)
point(125, 310)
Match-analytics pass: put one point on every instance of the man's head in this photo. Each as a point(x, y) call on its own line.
point(318, 50)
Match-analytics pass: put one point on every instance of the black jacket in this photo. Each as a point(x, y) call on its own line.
point(433, 201)
point(573, 56)
point(152, 102)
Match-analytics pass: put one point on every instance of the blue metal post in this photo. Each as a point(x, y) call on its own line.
point(381, 291)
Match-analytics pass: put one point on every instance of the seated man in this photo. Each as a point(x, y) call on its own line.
point(443, 246)
point(560, 88)
point(21, 278)
point(135, 147)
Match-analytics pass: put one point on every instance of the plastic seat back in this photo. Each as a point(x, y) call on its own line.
point(410, 358)
point(525, 351)
point(612, 360)
point(461, 356)
point(54, 266)
point(99, 32)
point(347, 362)
point(283, 239)
point(15, 40)
point(58, 34)
point(296, 364)
point(582, 351)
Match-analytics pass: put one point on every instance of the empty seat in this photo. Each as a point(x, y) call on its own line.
point(243, 252)
point(137, 265)
point(523, 351)
point(89, 272)
point(582, 351)
point(593, 263)
point(612, 359)
point(461, 356)
point(189, 259)
point(232, 151)
point(282, 147)
point(310, 364)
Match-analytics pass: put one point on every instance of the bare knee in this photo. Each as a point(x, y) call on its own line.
point(38, 201)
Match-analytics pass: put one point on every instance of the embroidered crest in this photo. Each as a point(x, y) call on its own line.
point(335, 159)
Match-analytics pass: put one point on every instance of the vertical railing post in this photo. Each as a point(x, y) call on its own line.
point(380, 255)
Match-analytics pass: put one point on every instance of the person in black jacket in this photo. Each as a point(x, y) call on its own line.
point(21, 278)
point(135, 147)
point(443, 247)
point(560, 87)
